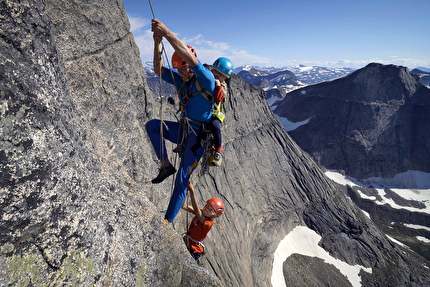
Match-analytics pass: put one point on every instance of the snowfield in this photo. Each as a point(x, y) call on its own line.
point(411, 185)
point(290, 126)
point(303, 240)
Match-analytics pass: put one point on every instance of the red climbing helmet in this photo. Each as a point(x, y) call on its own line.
point(177, 61)
point(217, 205)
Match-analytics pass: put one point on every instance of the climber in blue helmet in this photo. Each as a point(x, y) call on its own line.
point(222, 69)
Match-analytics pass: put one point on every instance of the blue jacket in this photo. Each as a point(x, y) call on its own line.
point(198, 108)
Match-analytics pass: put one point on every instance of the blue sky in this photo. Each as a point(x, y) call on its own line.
point(288, 33)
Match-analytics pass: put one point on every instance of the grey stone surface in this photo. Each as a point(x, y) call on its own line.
point(76, 204)
point(73, 154)
point(302, 270)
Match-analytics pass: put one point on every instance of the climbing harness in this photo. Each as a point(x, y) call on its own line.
point(200, 90)
point(187, 238)
point(204, 135)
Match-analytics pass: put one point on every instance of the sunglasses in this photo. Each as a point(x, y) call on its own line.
point(184, 68)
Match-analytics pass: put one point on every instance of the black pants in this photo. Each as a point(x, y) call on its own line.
point(215, 127)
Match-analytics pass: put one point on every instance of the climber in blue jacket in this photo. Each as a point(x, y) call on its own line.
point(196, 110)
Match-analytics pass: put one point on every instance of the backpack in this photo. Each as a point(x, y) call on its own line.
point(218, 111)
point(200, 90)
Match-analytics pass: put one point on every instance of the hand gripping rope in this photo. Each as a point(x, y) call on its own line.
point(161, 53)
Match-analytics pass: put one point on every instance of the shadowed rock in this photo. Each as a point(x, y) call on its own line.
point(371, 123)
point(77, 207)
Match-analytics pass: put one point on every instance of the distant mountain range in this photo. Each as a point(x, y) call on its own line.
point(370, 124)
point(277, 82)
point(308, 75)
point(424, 69)
point(339, 133)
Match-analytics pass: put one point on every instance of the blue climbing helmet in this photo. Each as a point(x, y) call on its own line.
point(224, 66)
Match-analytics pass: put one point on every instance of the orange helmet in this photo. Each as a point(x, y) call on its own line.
point(177, 61)
point(217, 205)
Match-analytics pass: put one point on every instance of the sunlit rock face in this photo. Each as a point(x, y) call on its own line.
point(73, 101)
point(76, 203)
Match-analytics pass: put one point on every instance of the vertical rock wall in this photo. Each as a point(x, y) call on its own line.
point(76, 205)
point(73, 154)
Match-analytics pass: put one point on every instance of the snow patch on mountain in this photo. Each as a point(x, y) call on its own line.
point(423, 239)
point(303, 240)
point(414, 226)
point(289, 126)
point(314, 75)
point(411, 185)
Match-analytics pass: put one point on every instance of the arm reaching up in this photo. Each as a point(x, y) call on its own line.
point(158, 60)
point(197, 210)
point(161, 29)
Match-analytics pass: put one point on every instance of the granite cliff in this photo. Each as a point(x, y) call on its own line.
point(74, 210)
point(76, 203)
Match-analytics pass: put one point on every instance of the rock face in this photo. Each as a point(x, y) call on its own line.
point(76, 203)
point(72, 154)
point(373, 122)
point(304, 265)
point(425, 77)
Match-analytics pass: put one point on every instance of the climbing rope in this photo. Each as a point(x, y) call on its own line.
point(162, 53)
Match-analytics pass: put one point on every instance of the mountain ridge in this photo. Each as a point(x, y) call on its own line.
point(277, 81)
point(372, 123)
point(384, 93)
point(424, 75)
point(307, 74)
point(77, 204)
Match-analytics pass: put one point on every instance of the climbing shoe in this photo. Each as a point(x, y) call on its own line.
point(164, 173)
point(216, 159)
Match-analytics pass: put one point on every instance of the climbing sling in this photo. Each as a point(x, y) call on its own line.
point(200, 90)
point(188, 238)
point(184, 97)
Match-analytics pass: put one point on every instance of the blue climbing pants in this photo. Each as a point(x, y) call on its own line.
point(172, 131)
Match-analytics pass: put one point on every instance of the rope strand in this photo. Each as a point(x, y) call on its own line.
point(161, 54)
point(152, 10)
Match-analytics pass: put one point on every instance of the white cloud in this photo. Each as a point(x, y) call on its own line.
point(208, 51)
point(408, 62)
point(197, 40)
point(145, 43)
point(137, 23)
point(243, 57)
